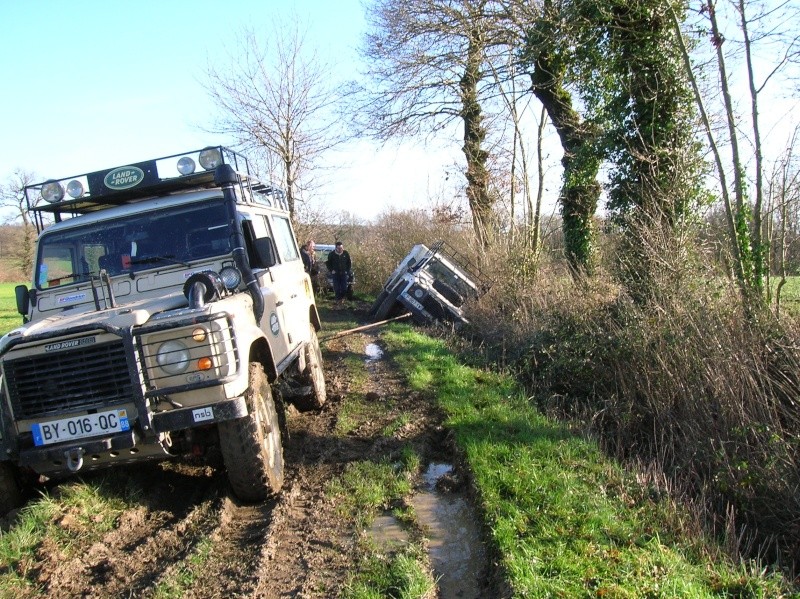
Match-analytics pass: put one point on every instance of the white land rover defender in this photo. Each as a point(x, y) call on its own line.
point(433, 284)
point(168, 304)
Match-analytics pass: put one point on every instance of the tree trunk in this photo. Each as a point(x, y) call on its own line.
point(580, 191)
point(477, 174)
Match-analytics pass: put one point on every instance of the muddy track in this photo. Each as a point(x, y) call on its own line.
point(295, 545)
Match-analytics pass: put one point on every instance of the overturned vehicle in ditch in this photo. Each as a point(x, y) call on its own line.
point(433, 284)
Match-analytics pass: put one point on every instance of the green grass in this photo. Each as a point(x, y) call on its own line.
point(364, 490)
point(564, 520)
point(396, 576)
point(177, 582)
point(9, 317)
point(790, 294)
point(367, 487)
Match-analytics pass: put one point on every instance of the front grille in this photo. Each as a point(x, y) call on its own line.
point(84, 378)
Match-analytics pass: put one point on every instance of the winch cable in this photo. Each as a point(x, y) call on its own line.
point(364, 327)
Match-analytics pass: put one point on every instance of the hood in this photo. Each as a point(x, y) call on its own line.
point(126, 316)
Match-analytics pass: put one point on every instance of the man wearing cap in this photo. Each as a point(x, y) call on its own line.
point(339, 265)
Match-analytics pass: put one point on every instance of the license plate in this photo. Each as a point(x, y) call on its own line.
point(80, 427)
point(414, 302)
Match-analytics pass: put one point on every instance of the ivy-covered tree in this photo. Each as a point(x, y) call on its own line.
point(548, 51)
point(630, 72)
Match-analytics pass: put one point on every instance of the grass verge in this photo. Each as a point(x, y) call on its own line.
point(563, 519)
point(9, 317)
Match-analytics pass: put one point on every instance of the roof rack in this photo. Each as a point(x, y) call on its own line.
point(90, 192)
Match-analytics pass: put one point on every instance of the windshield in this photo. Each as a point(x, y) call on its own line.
point(132, 243)
point(443, 272)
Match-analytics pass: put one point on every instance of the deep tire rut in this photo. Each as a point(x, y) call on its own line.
point(295, 545)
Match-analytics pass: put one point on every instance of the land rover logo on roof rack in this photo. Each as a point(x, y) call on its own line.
point(123, 177)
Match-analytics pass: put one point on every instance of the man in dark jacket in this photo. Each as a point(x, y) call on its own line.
point(339, 265)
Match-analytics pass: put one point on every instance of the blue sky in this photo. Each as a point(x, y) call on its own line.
point(89, 85)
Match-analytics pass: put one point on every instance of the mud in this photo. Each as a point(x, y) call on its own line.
point(296, 545)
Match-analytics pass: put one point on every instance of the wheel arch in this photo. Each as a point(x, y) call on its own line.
point(261, 352)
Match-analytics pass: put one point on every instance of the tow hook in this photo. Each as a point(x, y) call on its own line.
point(74, 458)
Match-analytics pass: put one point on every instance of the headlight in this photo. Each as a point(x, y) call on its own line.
point(173, 357)
point(210, 158)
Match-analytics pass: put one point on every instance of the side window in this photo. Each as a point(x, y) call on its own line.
point(56, 263)
point(256, 234)
point(284, 239)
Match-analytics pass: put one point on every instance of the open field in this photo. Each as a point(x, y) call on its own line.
point(9, 317)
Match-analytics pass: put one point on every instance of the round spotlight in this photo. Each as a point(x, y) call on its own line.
point(231, 277)
point(210, 158)
point(52, 192)
point(186, 166)
point(75, 189)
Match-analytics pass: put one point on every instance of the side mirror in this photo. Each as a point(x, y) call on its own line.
point(265, 253)
point(23, 299)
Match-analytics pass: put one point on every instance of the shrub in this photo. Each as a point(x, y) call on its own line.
point(682, 379)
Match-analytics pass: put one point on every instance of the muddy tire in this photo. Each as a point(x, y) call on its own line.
point(251, 446)
point(378, 301)
point(313, 376)
point(10, 490)
point(390, 306)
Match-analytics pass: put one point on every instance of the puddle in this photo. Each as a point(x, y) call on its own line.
point(374, 352)
point(387, 532)
point(454, 539)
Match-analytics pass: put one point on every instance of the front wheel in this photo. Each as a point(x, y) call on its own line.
point(251, 446)
point(378, 301)
point(312, 376)
point(390, 305)
point(10, 490)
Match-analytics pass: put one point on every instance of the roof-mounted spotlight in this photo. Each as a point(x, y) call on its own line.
point(186, 166)
point(52, 192)
point(210, 158)
point(75, 189)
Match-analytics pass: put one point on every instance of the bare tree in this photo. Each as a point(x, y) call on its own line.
point(426, 72)
point(276, 98)
point(784, 195)
point(12, 196)
point(761, 27)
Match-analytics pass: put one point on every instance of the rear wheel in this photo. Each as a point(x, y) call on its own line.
point(251, 446)
point(313, 376)
point(10, 490)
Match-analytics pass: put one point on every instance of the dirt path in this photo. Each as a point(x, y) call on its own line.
point(293, 546)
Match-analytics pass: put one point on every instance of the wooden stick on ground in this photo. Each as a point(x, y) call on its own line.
point(365, 327)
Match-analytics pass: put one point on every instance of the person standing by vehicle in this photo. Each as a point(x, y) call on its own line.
point(309, 258)
point(339, 265)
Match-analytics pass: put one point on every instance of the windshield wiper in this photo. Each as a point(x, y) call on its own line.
point(157, 259)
